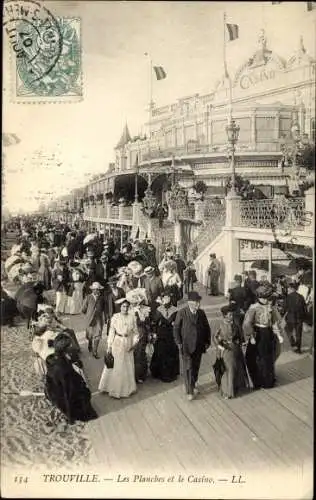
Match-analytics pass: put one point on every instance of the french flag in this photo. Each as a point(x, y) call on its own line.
point(233, 31)
point(160, 72)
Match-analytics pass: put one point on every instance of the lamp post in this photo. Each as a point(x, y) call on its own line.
point(232, 131)
point(291, 150)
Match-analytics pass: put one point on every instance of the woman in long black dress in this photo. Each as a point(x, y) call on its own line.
point(262, 328)
point(65, 386)
point(165, 359)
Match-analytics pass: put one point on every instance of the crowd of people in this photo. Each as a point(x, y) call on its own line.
point(133, 301)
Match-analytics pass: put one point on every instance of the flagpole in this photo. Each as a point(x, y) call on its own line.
point(230, 103)
point(150, 102)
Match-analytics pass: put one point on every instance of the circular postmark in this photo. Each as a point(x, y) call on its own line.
point(35, 36)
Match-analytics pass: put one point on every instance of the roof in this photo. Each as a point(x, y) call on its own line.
point(125, 138)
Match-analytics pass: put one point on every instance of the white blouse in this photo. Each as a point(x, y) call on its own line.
point(124, 326)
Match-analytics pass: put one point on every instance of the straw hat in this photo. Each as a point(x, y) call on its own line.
point(149, 270)
point(96, 286)
point(136, 296)
point(136, 268)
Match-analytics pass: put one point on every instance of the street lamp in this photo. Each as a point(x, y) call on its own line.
point(232, 131)
point(291, 149)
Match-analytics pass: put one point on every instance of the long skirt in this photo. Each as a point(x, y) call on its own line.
point(232, 377)
point(140, 359)
point(260, 358)
point(165, 364)
point(61, 302)
point(119, 381)
point(75, 302)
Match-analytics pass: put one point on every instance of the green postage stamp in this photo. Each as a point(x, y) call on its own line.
point(45, 54)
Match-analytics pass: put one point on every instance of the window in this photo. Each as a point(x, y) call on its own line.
point(168, 137)
point(200, 133)
point(265, 128)
point(285, 127)
point(219, 135)
point(245, 129)
point(179, 136)
point(189, 133)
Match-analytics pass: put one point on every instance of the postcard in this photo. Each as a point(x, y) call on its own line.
point(157, 261)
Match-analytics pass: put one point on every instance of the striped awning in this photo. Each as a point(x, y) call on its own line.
point(10, 139)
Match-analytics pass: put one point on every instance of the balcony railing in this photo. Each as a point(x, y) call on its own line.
point(109, 212)
point(274, 213)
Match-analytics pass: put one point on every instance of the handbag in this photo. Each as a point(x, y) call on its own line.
point(109, 360)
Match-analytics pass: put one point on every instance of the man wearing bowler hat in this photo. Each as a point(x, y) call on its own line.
point(192, 334)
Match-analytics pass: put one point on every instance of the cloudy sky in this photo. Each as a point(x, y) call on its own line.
point(76, 140)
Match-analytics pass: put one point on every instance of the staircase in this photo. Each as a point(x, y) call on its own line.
point(160, 237)
point(211, 226)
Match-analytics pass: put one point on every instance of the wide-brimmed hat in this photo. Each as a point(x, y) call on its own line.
point(194, 296)
point(136, 296)
point(149, 270)
point(96, 286)
point(231, 307)
point(136, 268)
point(122, 300)
point(264, 291)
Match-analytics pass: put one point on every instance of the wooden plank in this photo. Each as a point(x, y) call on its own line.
point(275, 426)
point(239, 436)
point(225, 446)
point(164, 436)
point(189, 446)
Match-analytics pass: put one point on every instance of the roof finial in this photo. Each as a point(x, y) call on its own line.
point(262, 40)
point(301, 49)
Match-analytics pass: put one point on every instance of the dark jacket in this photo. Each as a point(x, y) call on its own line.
point(295, 307)
point(192, 330)
point(94, 310)
point(110, 306)
point(60, 286)
point(238, 295)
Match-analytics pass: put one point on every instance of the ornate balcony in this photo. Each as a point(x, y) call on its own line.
point(279, 213)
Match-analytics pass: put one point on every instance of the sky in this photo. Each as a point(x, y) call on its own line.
point(76, 140)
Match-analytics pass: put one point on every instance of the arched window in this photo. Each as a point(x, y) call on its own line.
point(313, 130)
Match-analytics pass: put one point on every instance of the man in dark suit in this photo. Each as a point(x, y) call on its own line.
point(295, 314)
point(192, 334)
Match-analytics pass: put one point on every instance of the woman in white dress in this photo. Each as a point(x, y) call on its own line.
point(119, 381)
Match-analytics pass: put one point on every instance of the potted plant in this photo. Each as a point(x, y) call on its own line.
point(200, 187)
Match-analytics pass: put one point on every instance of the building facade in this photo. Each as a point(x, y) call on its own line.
point(186, 141)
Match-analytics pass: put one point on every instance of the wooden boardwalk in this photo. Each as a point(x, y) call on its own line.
point(159, 430)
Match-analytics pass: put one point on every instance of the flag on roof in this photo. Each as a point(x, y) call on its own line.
point(160, 72)
point(233, 31)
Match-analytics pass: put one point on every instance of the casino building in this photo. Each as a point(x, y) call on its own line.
point(187, 141)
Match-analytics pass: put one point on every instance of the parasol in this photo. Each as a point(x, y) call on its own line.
point(15, 272)
point(90, 237)
point(11, 261)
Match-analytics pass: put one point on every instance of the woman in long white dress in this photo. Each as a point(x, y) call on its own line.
point(119, 381)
